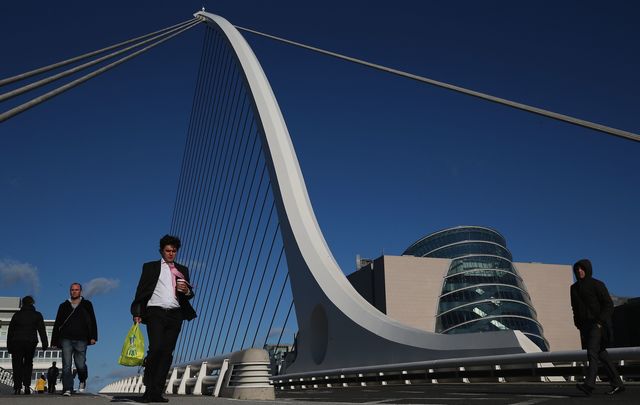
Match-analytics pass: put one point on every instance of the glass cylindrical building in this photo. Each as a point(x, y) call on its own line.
point(482, 290)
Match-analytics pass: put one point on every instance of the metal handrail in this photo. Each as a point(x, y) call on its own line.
point(240, 374)
point(6, 377)
point(623, 353)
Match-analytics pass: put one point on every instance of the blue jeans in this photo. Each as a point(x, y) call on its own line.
point(76, 350)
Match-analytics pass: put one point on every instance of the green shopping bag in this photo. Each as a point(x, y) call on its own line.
point(133, 348)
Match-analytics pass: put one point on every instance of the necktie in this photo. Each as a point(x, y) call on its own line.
point(176, 274)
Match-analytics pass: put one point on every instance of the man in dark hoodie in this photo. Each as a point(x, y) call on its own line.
point(592, 309)
point(22, 339)
point(75, 328)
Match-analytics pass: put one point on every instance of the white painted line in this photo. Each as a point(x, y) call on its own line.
point(544, 396)
point(531, 401)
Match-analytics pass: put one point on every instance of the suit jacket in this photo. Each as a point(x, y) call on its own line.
point(147, 284)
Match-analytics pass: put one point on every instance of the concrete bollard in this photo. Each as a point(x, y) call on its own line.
point(248, 376)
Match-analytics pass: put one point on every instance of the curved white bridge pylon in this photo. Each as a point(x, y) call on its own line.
point(337, 327)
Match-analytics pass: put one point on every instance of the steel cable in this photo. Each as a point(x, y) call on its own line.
point(266, 299)
point(43, 69)
point(50, 79)
point(284, 326)
point(40, 99)
point(275, 312)
point(520, 106)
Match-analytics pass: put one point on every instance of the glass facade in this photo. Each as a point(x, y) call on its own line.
point(482, 290)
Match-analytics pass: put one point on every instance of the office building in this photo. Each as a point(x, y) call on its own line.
point(463, 280)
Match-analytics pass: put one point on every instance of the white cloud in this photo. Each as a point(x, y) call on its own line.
point(274, 332)
point(12, 272)
point(99, 286)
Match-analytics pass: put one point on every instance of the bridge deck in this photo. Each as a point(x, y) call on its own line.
point(455, 394)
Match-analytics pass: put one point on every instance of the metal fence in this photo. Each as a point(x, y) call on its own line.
point(542, 366)
point(6, 380)
point(246, 374)
point(240, 375)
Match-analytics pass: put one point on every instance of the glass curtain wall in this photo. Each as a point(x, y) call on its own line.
point(482, 290)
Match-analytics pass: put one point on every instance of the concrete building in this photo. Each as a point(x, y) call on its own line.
point(626, 330)
point(42, 359)
point(463, 280)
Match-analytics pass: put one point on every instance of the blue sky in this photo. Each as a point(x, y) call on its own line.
point(88, 179)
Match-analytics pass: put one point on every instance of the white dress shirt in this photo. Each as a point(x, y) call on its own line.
point(164, 295)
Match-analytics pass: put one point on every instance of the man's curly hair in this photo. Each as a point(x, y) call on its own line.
point(170, 240)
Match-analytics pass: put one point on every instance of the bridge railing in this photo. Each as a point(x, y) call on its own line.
point(239, 375)
point(6, 380)
point(559, 366)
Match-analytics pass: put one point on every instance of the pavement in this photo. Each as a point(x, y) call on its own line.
point(449, 394)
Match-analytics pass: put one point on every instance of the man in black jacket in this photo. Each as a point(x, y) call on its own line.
point(75, 328)
point(22, 339)
point(592, 309)
point(162, 303)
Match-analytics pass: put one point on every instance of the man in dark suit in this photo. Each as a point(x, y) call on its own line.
point(162, 303)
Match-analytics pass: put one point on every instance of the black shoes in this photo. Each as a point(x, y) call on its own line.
point(588, 390)
point(585, 389)
point(616, 390)
point(145, 399)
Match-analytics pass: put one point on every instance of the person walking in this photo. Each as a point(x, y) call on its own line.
point(22, 339)
point(52, 377)
point(75, 327)
point(592, 310)
point(162, 303)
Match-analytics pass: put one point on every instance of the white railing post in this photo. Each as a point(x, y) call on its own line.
point(221, 377)
point(139, 384)
point(182, 389)
point(197, 389)
point(172, 379)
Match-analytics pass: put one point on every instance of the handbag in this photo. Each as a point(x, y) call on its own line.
point(133, 348)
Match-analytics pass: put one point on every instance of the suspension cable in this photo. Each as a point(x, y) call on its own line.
point(284, 326)
point(549, 114)
point(275, 311)
point(47, 80)
point(86, 55)
point(32, 103)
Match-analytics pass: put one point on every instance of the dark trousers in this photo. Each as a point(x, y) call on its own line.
point(22, 363)
point(51, 385)
point(594, 341)
point(163, 328)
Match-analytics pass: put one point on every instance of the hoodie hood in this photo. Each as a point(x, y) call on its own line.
point(584, 264)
